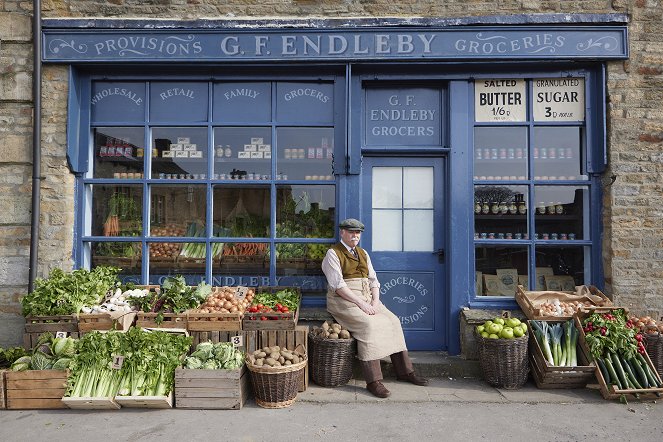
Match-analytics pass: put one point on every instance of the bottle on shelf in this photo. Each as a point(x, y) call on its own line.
point(559, 208)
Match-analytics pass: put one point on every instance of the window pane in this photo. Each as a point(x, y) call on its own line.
point(179, 153)
point(242, 102)
point(418, 231)
point(418, 187)
point(500, 153)
point(241, 259)
point(178, 210)
point(241, 211)
point(170, 259)
point(305, 211)
point(118, 152)
point(117, 210)
point(387, 187)
point(242, 153)
point(556, 153)
point(118, 101)
point(387, 230)
point(179, 101)
point(560, 213)
point(305, 102)
point(305, 153)
point(500, 269)
point(125, 255)
point(500, 212)
point(300, 258)
point(561, 268)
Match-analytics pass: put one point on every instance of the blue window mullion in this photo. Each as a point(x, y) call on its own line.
point(272, 201)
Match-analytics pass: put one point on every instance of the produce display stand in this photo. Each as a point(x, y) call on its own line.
point(35, 326)
point(280, 321)
point(213, 321)
point(145, 401)
point(547, 376)
point(529, 301)
point(88, 322)
point(211, 389)
point(3, 401)
point(170, 320)
point(35, 389)
point(91, 403)
point(610, 391)
point(249, 338)
point(288, 339)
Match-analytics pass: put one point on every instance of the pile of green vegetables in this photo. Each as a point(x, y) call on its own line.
point(616, 345)
point(558, 342)
point(174, 297)
point(9, 355)
point(209, 356)
point(65, 293)
point(48, 354)
point(147, 368)
point(286, 297)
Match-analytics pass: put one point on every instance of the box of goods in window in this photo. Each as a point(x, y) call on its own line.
point(611, 391)
point(548, 304)
point(35, 389)
point(211, 389)
point(548, 376)
point(210, 317)
point(35, 326)
point(289, 339)
point(274, 319)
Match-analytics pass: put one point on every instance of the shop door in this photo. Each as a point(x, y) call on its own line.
point(403, 201)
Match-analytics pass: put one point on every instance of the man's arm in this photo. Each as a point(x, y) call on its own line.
point(373, 282)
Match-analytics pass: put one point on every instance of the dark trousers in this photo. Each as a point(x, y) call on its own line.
point(373, 372)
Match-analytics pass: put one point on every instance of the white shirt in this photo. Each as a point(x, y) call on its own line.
point(331, 267)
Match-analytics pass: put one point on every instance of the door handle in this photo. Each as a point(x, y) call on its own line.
point(440, 255)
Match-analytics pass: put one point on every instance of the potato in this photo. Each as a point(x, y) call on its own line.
point(262, 354)
point(270, 361)
point(282, 360)
point(344, 334)
point(277, 364)
point(336, 328)
point(257, 354)
point(275, 355)
point(325, 326)
point(276, 348)
point(288, 363)
point(287, 355)
point(333, 335)
point(267, 350)
point(325, 334)
point(260, 362)
point(295, 360)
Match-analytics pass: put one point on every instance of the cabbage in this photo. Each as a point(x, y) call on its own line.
point(236, 362)
point(210, 365)
point(223, 352)
point(45, 348)
point(206, 346)
point(20, 366)
point(62, 364)
point(202, 354)
point(40, 361)
point(64, 346)
point(193, 362)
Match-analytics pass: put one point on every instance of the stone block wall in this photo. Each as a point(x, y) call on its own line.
point(632, 221)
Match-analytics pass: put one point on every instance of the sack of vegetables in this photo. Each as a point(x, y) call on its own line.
point(502, 345)
point(331, 352)
point(276, 374)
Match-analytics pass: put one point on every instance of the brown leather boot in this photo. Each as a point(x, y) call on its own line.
point(377, 389)
point(413, 379)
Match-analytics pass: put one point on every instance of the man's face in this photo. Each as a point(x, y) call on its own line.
point(351, 237)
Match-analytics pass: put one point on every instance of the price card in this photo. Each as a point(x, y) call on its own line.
point(237, 341)
point(240, 292)
point(117, 362)
point(60, 334)
point(506, 314)
point(499, 99)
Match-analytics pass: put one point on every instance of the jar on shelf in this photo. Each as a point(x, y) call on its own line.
point(494, 208)
point(551, 208)
point(541, 209)
point(522, 208)
point(513, 209)
point(477, 208)
point(228, 152)
point(485, 208)
point(504, 208)
point(559, 208)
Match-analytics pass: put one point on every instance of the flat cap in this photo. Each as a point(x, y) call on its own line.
point(351, 224)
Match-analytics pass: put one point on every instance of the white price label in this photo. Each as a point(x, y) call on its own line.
point(240, 292)
point(117, 362)
point(499, 99)
point(559, 99)
point(237, 341)
point(506, 314)
point(60, 334)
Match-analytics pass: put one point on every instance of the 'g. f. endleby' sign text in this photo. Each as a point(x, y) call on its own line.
point(372, 44)
point(499, 100)
point(559, 99)
point(402, 117)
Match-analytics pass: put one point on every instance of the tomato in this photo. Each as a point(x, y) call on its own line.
point(285, 310)
point(263, 318)
point(278, 306)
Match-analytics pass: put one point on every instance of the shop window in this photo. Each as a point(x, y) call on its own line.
point(119, 152)
point(181, 102)
point(179, 153)
point(500, 153)
point(177, 258)
point(303, 102)
point(241, 211)
point(118, 210)
point(557, 154)
point(117, 101)
point(305, 211)
point(243, 153)
point(499, 269)
point(305, 153)
point(559, 213)
point(561, 267)
point(122, 254)
point(242, 102)
point(500, 212)
point(178, 211)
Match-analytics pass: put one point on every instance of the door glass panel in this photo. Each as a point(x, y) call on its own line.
point(499, 269)
point(387, 230)
point(560, 213)
point(418, 231)
point(387, 187)
point(418, 187)
point(500, 153)
point(556, 153)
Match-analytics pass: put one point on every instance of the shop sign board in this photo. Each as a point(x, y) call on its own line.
point(403, 117)
point(559, 99)
point(242, 102)
point(499, 100)
point(179, 101)
point(410, 297)
point(117, 101)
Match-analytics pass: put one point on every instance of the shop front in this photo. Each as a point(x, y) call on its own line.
point(229, 153)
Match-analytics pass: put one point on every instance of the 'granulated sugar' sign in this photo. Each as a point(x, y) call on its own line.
point(559, 99)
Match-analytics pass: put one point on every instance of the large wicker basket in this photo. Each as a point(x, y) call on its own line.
point(655, 350)
point(504, 362)
point(330, 360)
point(276, 387)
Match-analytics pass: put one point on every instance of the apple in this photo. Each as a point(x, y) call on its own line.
point(493, 336)
point(494, 328)
point(518, 331)
point(506, 333)
point(484, 334)
point(512, 322)
point(523, 325)
point(487, 323)
point(498, 320)
point(480, 329)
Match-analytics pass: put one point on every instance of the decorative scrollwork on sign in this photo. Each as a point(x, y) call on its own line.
point(607, 43)
point(57, 44)
point(482, 38)
point(407, 300)
point(549, 49)
point(123, 52)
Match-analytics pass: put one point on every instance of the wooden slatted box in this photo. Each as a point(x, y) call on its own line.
point(529, 301)
point(289, 339)
point(3, 402)
point(249, 338)
point(211, 389)
point(35, 326)
point(170, 320)
point(35, 389)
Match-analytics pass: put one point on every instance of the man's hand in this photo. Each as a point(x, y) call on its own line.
point(366, 308)
point(375, 303)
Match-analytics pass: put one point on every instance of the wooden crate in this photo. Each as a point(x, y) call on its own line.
point(35, 389)
point(249, 338)
point(88, 322)
point(170, 320)
point(3, 401)
point(213, 321)
point(283, 321)
point(547, 376)
point(145, 401)
point(289, 339)
point(527, 300)
point(610, 391)
point(91, 403)
point(35, 326)
point(211, 389)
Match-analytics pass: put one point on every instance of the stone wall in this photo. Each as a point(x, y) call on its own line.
point(633, 225)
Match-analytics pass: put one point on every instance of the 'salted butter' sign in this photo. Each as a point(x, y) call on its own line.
point(559, 99)
point(304, 44)
point(499, 99)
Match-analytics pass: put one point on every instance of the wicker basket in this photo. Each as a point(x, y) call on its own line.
point(655, 350)
point(330, 360)
point(276, 387)
point(504, 362)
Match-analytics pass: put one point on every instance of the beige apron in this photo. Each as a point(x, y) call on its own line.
point(377, 335)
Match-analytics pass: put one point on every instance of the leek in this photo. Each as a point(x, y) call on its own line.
point(541, 332)
point(556, 336)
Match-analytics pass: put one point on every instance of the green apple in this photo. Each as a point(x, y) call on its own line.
point(493, 336)
point(487, 323)
point(498, 320)
point(523, 325)
point(518, 331)
point(506, 333)
point(494, 328)
point(484, 334)
point(512, 322)
point(480, 328)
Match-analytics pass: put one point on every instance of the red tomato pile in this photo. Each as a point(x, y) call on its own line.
point(264, 310)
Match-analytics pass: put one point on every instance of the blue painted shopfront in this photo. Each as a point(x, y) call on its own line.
point(264, 138)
